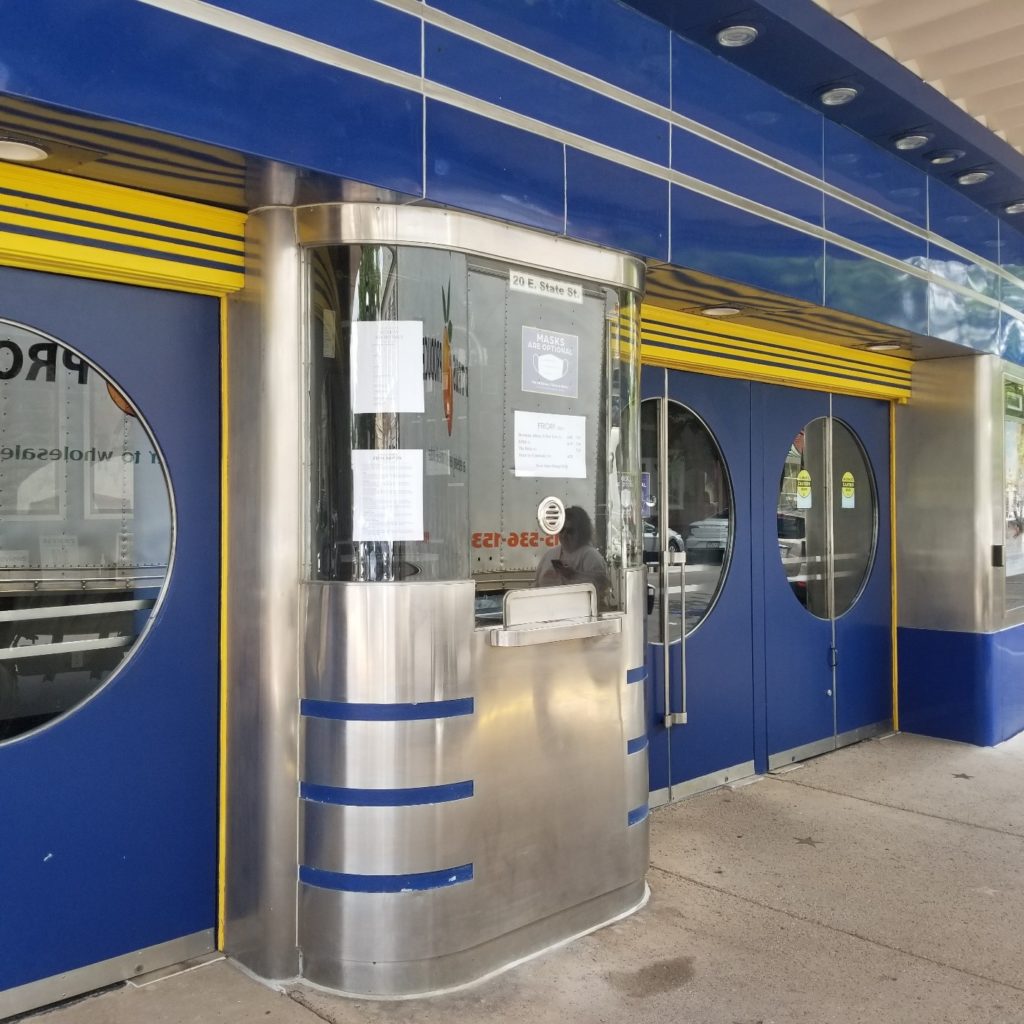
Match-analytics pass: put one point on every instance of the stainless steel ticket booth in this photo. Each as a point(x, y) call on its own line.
point(435, 725)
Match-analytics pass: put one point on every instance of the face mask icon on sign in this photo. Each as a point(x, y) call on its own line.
point(550, 366)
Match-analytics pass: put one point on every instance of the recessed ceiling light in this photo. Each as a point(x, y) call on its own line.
point(914, 140)
point(883, 346)
point(1017, 207)
point(722, 311)
point(22, 152)
point(944, 156)
point(737, 35)
point(973, 177)
point(837, 95)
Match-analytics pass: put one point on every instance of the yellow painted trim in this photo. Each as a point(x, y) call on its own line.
point(120, 198)
point(892, 555)
point(117, 222)
point(798, 345)
point(86, 261)
point(222, 781)
point(102, 234)
point(115, 208)
point(775, 352)
point(774, 357)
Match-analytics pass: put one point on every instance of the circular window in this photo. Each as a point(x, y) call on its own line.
point(699, 516)
point(827, 518)
point(85, 529)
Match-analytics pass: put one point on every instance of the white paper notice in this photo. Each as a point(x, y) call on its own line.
point(551, 445)
point(387, 366)
point(387, 494)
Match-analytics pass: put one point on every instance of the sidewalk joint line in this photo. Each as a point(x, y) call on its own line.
point(893, 807)
point(842, 931)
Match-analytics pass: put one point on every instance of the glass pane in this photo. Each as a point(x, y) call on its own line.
point(700, 509)
point(854, 516)
point(699, 517)
point(1013, 470)
point(801, 519)
point(85, 528)
point(445, 405)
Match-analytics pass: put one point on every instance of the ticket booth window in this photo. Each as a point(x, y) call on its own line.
point(449, 396)
point(85, 528)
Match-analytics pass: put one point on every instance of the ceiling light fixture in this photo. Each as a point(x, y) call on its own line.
point(722, 311)
point(973, 177)
point(837, 95)
point(883, 346)
point(913, 140)
point(1017, 207)
point(21, 152)
point(944, 156)
point(737, 35)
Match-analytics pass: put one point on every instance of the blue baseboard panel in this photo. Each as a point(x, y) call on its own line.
point(962, 686)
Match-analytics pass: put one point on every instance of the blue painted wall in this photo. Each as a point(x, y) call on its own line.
point(962, 686)
point(597, 157)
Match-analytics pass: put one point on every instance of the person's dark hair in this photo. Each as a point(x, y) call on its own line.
point(578, 531)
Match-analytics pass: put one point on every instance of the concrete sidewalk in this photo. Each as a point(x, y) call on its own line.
point(881, 883)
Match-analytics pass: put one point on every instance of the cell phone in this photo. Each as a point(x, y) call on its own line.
point(558, 564)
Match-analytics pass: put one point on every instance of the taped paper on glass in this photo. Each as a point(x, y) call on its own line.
point(550, 445)
point(387, 494)
point(387, 366)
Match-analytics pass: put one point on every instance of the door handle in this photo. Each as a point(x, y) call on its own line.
point(833, 656)
point(677, 559)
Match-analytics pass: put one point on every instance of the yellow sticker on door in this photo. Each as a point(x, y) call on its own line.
point(803, 489)
point(849, 489)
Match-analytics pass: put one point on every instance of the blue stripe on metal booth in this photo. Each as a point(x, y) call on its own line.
point(635, 745)
point(353, 712)
point(416, 882)
point(637, 815)
point(406, 797)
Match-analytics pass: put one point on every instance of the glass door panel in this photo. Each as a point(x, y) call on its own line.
point(854, 518)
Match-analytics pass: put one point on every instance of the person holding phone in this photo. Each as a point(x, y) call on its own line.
point(575, 559)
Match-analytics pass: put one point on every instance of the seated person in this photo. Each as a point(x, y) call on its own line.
point(575, 559)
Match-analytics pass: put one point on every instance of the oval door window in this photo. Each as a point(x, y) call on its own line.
point(826, 488)
point(85, 529)
point(700, 515)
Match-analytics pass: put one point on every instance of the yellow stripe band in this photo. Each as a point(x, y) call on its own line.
point(54, 222)
point(687, 342)
point(222, 774)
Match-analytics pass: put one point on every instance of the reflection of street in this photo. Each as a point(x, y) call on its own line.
point(701, 585)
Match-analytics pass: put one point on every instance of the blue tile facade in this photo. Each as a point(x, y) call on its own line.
point(614, 205)
point(494, 169)
point(574, 116)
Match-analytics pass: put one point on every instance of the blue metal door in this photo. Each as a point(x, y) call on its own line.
point(109, 811)
point(825, 510)
point(786, 645)
point(703, 733)
point(864, 628)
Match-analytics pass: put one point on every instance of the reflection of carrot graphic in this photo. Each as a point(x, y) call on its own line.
point(446, 357)
point(119, 400)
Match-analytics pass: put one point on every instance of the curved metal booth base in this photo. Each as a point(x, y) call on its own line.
point(457, 971)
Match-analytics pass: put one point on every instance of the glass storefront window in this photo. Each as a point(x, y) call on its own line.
point(85, 528)
point(1013, 490)
point(446, 403)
